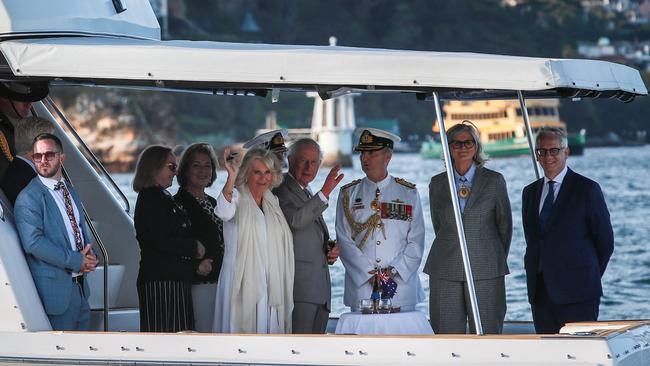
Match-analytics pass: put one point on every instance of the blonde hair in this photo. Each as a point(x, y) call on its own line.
point(265, 156)
point(27, 129)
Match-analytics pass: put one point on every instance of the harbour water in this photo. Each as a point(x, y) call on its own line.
point(623, 173)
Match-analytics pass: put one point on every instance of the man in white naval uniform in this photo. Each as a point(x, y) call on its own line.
point(379, 224)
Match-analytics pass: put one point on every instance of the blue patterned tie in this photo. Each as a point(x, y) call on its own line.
point(545, 214)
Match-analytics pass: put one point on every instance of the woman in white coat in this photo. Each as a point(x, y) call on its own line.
point(255, 289)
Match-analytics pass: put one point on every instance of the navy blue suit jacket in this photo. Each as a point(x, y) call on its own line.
point(572, 254)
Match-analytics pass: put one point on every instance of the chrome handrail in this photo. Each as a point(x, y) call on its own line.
point(529, 131)
point(102, 249)
point(460, 229)
point(98, 164)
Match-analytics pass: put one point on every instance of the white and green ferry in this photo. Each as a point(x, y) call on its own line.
point(500, 125)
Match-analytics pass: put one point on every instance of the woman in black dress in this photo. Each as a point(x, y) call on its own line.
point(198, 170)
point(168, 251)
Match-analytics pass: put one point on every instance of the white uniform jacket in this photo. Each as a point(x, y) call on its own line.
point(400, 244)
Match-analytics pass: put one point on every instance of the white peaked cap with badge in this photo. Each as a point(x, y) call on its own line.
point(272, 140)
point(371, 139)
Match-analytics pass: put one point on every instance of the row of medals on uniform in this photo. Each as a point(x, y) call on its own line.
point(394, 210)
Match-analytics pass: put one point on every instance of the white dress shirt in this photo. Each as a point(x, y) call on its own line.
point(60, 203)
point(320, 194)
point(556, 187)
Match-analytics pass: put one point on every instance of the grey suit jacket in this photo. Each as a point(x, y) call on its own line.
point(488, 228)
point(312, 278)
point(49, 254)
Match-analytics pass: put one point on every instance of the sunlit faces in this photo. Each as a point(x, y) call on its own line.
point(463, 148)
point(199, 173)
point(167, 172)
point(259, 178)
point(552, 165)
point(304, 165)
point(375, 163)
point(50, 159)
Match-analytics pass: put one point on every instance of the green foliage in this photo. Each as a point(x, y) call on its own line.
point(542, 28)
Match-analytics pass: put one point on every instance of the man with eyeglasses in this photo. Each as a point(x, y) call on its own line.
point(569, 239)
point(52, 228)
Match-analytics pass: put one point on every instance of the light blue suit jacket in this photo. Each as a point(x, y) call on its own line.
point(44, 237)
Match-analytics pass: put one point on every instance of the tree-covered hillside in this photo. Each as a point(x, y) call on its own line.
point(547, 28)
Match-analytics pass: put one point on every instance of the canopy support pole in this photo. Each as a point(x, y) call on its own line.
point(529, 131)
point(457, 215)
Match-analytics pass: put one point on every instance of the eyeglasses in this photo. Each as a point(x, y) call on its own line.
point(49, 156)
point(468, 144)
point(172, 167)
point(552, 151)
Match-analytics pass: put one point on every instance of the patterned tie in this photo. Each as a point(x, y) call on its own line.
point(68, 209)
point(306, 190)
point(545, 214)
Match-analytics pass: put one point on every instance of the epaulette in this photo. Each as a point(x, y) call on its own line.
point(405, 183)
point(353, 183)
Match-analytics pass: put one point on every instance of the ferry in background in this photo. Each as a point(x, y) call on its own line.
point(500, 125)
point(117, 44)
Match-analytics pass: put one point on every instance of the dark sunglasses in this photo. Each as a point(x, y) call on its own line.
point(49, 156)
point(468, 144)
point(552, 151)
point(172, 167)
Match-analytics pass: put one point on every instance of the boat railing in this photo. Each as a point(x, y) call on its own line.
point(102, 249)
point(100, 243)
point(89, 154)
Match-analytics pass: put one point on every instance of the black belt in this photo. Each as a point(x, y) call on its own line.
point(78, 279)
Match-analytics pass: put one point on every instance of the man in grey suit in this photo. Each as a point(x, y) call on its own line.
point(53, 232)
point(303, 211)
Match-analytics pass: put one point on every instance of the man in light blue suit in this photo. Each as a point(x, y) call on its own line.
point(53, 232)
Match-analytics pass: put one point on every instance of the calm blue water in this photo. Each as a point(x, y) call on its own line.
point(623, 173)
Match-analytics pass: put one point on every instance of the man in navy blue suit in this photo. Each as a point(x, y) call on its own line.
point(569, 239)
point(54, 234)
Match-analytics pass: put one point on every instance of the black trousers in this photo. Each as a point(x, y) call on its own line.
point(165, 306)
point(549, 317)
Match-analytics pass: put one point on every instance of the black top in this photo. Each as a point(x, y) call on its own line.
point(167, 248)
point(17, 176)
point(206, 228)
point(6, 129)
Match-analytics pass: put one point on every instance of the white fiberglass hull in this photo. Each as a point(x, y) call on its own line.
point(619, 343)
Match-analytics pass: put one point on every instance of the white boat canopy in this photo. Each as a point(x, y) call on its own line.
point(237, 68)
point(36, 18)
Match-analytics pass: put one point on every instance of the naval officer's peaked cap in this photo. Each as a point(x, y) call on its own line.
point(26, 92)
point(272, 140)
point(371, 139)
